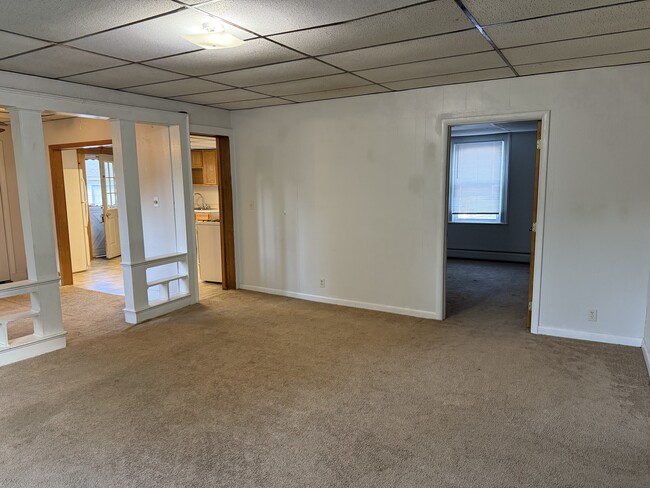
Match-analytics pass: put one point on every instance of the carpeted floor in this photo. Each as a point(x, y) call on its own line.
point(251, 390)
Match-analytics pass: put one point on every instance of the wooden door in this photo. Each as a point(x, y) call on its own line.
point(533, 226)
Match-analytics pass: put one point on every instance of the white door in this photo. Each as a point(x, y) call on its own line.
point(109, 194)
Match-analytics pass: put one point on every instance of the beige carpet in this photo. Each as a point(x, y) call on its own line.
point(254, 390)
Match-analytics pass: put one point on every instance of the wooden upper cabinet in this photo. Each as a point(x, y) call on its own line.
point(204, 167)
point(197, 158)
point(209, 167)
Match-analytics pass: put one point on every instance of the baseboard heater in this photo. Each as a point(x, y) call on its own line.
point(512, 257)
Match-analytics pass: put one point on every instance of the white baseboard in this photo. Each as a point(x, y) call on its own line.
point(589, 336)
point(645, 347)
point(31, 346)
point(157, 309)
point(346, 303)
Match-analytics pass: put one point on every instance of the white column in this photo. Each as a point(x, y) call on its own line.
point(179, 137)
point(127, 180)
point(35, 194)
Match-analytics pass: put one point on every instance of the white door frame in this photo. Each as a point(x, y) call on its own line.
point(447, 123)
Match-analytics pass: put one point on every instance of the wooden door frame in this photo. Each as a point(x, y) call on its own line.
point(60, 207)
point(226, 204)
point(443, 202)
point(226, 214)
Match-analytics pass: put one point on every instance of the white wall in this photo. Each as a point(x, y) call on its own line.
point(350, 190)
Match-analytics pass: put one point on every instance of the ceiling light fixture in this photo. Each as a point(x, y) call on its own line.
point(215, 37)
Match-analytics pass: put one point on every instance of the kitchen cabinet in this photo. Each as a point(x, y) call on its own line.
point(204, 167)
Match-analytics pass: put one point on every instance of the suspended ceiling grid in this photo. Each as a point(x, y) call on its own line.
point(304, 50)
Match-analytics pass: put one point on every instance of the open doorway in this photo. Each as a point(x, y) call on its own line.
point(491, 221)
point(213, 212)
point(86, 216)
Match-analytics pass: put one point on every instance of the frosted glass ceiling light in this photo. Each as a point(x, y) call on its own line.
point(215, 37)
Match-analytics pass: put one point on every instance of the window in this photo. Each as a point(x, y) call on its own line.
point(478, 179)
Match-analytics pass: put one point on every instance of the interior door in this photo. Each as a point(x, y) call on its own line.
point(109, 199)
point(533, 227)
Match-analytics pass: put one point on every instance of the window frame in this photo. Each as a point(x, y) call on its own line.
point(505, 170)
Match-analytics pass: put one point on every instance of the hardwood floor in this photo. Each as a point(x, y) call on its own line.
point(105, 276)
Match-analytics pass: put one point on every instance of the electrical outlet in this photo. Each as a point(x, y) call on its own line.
point(322, 282)
point(592, 315)
point(156, 202)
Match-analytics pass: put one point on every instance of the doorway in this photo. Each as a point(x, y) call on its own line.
point(495, 179)
point(86, 215)
point(213, 211)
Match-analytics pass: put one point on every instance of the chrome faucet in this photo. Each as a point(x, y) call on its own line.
point(203, 205)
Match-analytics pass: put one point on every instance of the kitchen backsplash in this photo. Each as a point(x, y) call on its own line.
point(210, 195)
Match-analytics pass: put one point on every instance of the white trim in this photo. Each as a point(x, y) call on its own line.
point(32, 347)
point(589, 336)
point(645, 348)
point(157, 309)
point(343, 302)
point(461, 119)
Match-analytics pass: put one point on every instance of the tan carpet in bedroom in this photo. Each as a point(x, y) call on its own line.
point(251, 390)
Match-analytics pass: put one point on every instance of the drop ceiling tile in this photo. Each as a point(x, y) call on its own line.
point(344, 92)
point(488, 74)
point(457, 64)
point(497, 11)
point(57, 61)
point(235, 95)
point(63, 20)
point(154, 38)
point(422, 20)
point(11, 44)
point(255, 52)
point(606, 20)
point(124, 76)
point(187, 86)
point(577, 48)
point(322, 83)
point(275, 73)
point(582, 63)
point(246, 104)
point(275, 16)
point(408, 51)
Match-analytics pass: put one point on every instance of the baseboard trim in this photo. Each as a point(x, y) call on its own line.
point(645, 347)
point(157, 309)
point(343, 302)
point(589, 336)
point(31, 346)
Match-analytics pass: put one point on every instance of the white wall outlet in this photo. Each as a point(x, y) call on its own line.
point(156, 202)
point(592, 315)
point(322, 282)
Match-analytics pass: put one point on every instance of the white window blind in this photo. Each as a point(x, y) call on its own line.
point(478, 179)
